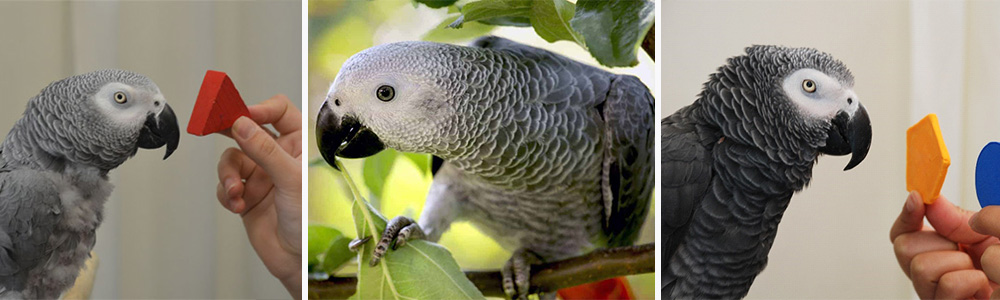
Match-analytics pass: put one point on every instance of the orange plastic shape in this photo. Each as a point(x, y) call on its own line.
point(927, 158)
point(218, 106)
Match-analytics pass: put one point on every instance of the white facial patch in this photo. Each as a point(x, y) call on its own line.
point(124, 104)
point(357, 93)
point(819, 95)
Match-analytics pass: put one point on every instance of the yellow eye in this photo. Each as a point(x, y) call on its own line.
point(808, 85)
point(120, 98)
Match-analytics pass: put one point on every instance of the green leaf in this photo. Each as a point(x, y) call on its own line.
point(613, 29)
point(423, 161)
point(417, 270)
point(327, 249)
point(550, 18)
point(442, 33)
point(376, 169)
point(496, 12)
point(437, 3)
point(320, 237)
point(318, 162)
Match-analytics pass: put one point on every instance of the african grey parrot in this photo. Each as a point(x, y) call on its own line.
point(548, 156)
point(732, 160)
point(54, 168)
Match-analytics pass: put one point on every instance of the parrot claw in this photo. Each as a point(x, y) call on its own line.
point(517, 274)
point(400, 229)
point(355, 245)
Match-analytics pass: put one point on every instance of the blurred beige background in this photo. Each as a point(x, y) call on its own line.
point(909, 58)
point(164, 235)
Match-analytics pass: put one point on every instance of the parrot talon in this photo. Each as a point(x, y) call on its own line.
point(400, 229)
point(508, 284)
point(411, 231)
point(356, 244)
point(517, 274)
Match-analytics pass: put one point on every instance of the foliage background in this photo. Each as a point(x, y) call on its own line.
point(337, 30)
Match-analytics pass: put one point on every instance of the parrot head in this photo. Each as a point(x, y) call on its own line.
point(393, 95)
point(101, 118)
point(803, 92)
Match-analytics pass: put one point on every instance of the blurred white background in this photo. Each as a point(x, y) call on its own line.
point(909, 58)
point(164, 235)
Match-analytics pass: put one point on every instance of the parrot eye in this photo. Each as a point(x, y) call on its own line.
point(120, 98)
point(385, 93)
point(808, 85)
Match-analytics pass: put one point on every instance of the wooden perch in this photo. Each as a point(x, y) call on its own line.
point(598, 265)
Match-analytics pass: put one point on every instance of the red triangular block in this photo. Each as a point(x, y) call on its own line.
point(219, 105)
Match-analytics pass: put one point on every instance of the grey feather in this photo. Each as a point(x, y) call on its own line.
point(528, 142)
point(731, 162)
point(54, 164)
point(627, 177)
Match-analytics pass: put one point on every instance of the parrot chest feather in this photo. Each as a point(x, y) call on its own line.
point(554, 224)
point(534, 178)
point(734, 226)
point(82, 194)
point(727, 245)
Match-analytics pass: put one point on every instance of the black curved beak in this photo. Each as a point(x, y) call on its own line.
point(850, 135)
point(160, 130)
point(344, 137)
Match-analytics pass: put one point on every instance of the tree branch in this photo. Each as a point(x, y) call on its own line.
point(598, 265)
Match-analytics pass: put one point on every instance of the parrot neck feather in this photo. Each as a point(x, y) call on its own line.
point(777, 165)
point(50, 136)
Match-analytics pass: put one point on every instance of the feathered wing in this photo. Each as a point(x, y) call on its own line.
point(686, 175)
point(29, 207)
point(627, 179)
point(625, 108)
point(554, 79)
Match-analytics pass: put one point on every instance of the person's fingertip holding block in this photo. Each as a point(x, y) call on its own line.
point(261, 180)
point(959, 257)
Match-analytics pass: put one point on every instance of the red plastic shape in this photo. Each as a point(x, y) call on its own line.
point(218, 106)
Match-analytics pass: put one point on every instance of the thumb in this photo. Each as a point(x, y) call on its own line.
point(952, 222)
point(264, 150)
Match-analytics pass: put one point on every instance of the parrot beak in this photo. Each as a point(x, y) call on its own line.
point(160, 130)
point(850, 135)
point(344, 137)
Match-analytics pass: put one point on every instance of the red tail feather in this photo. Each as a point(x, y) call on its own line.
point(614, 288)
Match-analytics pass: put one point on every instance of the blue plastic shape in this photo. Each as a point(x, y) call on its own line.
point(988, 175)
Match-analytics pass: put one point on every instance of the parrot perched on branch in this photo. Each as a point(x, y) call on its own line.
point(54, 168)
point(548, 156)
point(732, 160)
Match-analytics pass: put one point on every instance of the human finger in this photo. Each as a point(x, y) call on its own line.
point(910, 219)
point(909, 245)
point(927, 268)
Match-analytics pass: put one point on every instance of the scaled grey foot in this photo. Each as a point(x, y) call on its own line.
point(517, 273)
point(400, 229)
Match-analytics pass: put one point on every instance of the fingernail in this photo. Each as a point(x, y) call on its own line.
point(244, 127)
point(230, 184)
point(910, 205)
point(232, 205)
point(972, 220)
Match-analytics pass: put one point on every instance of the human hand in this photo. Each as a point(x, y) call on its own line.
point(262, 181)
point(943, 261)
point(987, 221)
